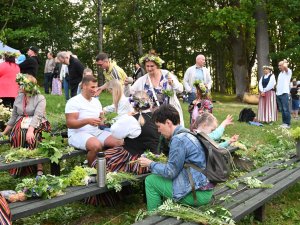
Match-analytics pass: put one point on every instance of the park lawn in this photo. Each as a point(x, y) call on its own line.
point(282, 210)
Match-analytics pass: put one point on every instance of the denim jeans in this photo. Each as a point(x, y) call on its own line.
point(48, 82)
point(66, 89)
point(283, 104)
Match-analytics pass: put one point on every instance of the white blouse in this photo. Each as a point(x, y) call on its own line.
point(271, 84)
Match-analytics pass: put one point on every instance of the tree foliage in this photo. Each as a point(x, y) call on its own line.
point(224, 31)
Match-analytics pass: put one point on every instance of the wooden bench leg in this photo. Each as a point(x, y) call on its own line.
point(55, 169)
point(259, 214)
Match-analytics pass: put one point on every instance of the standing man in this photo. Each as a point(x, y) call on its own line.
point(83, 118)
point(139, 72)
point(31, 64)
point(75, 69)
point(111, 71)
point(196, 72)
point(282, 92)
point(48, 71)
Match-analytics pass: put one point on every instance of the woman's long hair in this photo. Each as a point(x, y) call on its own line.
point(117, 91)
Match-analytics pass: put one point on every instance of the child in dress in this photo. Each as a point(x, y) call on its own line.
point(295, 91)
point(56, 82)
point(208, 124)
point(201, 104)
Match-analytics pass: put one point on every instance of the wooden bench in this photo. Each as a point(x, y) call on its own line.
point(33, 206)
point(30, 162)
point(245, 200)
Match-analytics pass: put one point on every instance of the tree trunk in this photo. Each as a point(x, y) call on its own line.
point(101, 78)
point(262, 37)
point(240, 64)
point(220, 69)
point(140, 43)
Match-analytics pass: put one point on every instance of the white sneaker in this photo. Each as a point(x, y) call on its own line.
point(285, 126)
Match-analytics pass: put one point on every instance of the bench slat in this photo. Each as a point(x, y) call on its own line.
point(151, 220)
point(72, 194)
point(30, 162)
point(170, 221)
point(260, 199)
point(265, 169)
point(249, 193)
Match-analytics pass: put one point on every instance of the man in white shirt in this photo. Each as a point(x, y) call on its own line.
point(83, 118)
point(196, 72)
point(282, 92)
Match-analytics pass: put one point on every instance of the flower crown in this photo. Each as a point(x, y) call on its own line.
point(199, 84)
point(139, 104)
point(30, 87)
point(151, 58)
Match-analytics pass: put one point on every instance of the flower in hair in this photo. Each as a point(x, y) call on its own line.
point(30, 87)
point(151, 58)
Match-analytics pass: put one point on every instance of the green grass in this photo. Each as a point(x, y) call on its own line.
point(282, 210)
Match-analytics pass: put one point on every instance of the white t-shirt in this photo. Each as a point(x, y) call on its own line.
point(126, 126)
point(86, 109)
point(283, 82)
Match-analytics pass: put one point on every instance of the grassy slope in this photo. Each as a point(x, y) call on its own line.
point(282, 210)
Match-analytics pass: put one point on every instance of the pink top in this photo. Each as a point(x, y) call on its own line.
point(8, 84)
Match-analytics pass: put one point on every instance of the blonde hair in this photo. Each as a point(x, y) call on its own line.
point(87, 70)
point(31, 78)
point(117, 91)
point(205, 118)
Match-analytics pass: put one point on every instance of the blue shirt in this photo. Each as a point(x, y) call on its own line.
point(184, 148)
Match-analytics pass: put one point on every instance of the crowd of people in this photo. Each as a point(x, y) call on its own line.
point(149, 115)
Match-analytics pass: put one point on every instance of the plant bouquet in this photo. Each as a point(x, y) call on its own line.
point(109, 118)
point(80, 176)
point(213, 215)
point(201, 86)
point(45, 186)
point(114, 180)
point(156, 158)
point(5, 113)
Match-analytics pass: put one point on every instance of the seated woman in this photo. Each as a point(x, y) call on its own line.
point(171, 180)
point(121, 104)
point(28, 119)
point(139, 133)
point(208, 124)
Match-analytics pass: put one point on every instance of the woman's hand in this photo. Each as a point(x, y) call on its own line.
point(262, 94)
point(144, 162)
point(170, 80)
point(30, 136)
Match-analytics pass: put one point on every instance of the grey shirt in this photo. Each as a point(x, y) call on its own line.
point(36, 107)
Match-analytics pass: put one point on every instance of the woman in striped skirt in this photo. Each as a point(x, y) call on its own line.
point(28, 120)
point(140, 134)
point(267, 108)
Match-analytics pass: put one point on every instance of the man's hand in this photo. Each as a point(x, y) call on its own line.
point(99, 91)
point(144, 162)
point(94, 122)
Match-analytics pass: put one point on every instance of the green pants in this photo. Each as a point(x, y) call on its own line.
point(159, 188)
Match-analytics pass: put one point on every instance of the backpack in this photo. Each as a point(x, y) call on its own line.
point(246, 115)
point(218, 161)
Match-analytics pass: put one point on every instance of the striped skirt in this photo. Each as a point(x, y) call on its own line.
point(117, 159)
point(5, 214)
point(18, 139)
point(267, 108)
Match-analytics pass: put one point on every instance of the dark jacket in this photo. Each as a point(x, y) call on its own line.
point(30, 66)
point(75, 71)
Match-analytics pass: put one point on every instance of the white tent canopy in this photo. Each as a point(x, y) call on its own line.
point(5, 48)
